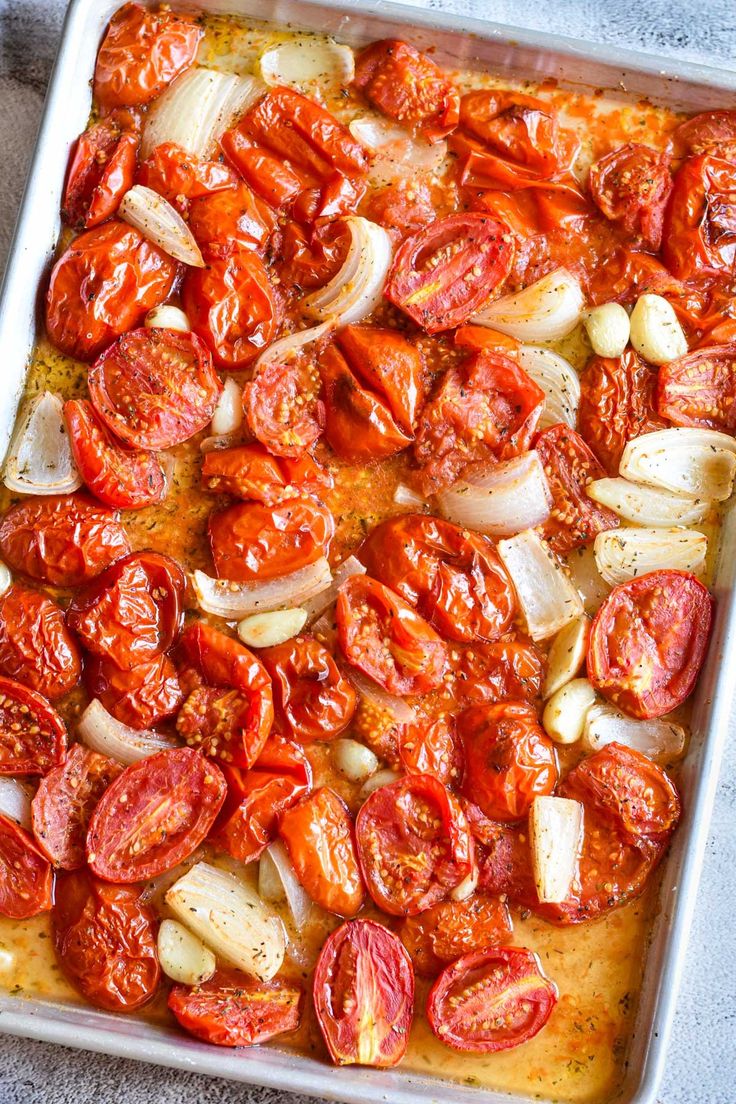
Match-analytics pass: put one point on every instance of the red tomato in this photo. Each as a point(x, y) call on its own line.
point(318, 833)
point(308, 257)
point(26, 880)
point(141, 53)
point(251, 541)
point(631, 788)
point(699, 389)
point(401, 208)
point(414, 844)
point(482, 339)
point(180, 177)
point(283, 407)
point(431, 748)
point(132, 612)
point(32, 734)
point(251, 472)
point(141, 697)
point(509, 759)
point(103, 284)
point(387, 640)
point(36, 648)
point(616, 405)
point(229, 708)
point(648, 642)
point(312, 700)
point(699, 237)
point(446, 931)
point(570, 466)
point(231, 305)
point(444, 273)
point(631, 186)
point(364, 995)
point(154, 815)
point(101, 170)
point(230, 220)
point(269, 176)
point(709, 132)
point(105, 940)
point(452, 576)
point(63, 540)
point(504, 858)
point(491, 1000)
point(234, 1010)
point(493, 672)
point(408, 86)
point(64, 803)
point(122, 478)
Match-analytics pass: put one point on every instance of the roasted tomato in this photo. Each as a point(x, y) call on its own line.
point(154, 815)
point(251, 541)
point(132, 612)
point(431, 747)
point(102, 285)
point(387, 640)
point(700, 389)
point(445, 272)
point(482, 339)
point(180, 177)
point(364, 995)
point(230, 220)
point(491, 1000)
point(570, 466)
point(64, 803)
point(36, 647)
point(414, 845)
point(509, 759)
point(616, 405)
point(452, 576)
point(312, 699)
point(699, 236)
point(631, 788)
point(504, 858)
point(105, 940)
point(283, 407)
point(32, 734)
point(402, 208)
point(318, 833)
point(511, 668)
point(631, 186)
point(141, 53)
point(63, 540)
point(308, 257)
point(26, 879)
point(229, 708)
point(446, 931)
point(251, 472)
point(101, 170)
point(709, 132)
point(141, 697)
point(234, 1010)
point(408, 86)
point(648, 642)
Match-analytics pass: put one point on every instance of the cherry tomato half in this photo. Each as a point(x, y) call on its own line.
point(101, 170)
point(631, 788)
point(234, 1010)
point(631, 186)
point(504, 858)
point(180, 177)
point(36, 647)
point(402, 208)
point(432, 747)
point(251, 541)
point(234, 218)
point(283, 407)
point(140, 697)
point(251, 472)
point(570, 466)
point(699, 389)
point(32, 734)
point(318, 833)
point(616, 405)
point(308, 257)
point(26, 879)
point(446, 931)
point(510, 668)
point(312, 699)
point(407, 86)
point(699, 238)
point(708, 132)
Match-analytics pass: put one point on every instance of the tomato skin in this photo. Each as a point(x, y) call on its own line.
point(141, 697)
point(267, 175)
point(631, 186)
point(231, 219)
point(414, 844)
point(431, 748)
point(708, 132)
point(63, 540)
point(358, 424)
point(390, 365)
point(570, 466)
point(64, 803)
point(26, 879)
point(504, 858)
point(310, 256)
point(234, 1010)
point(141, 53)
point(698, 389)
point(407, 86)
point(387, 640)
point(101, 170)
point(154, 815)
point(312, 699)
point(457, 1007)
point(105, 941)
point(102, 285)
point(363, 994)
point(512, 669)
point(509, 759)
point(443, 273)
point(251, 541)
point(446, 931)
point(180, 177)
point(648, 642)
point(282, 406)
point(453, 577)
point(319, 836)
point(698, 238)
point(23, 750)
point(616, 405)
point(36, 648)
point(401, 208)
point(251, 472)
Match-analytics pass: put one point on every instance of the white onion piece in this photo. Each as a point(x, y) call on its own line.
point(167, 317)
point(232, 600)
point(377, 781)
point(103, 733)
point(353, 759)
point(357, 288)
point(308, 61)
point(265, 630)
point(228, 414)
point(547, 598)
point(298, 900)
point(285, 348)
point(183, 957)
point(197, 108)
point(623, 554)
point(660, 740)
point(40, 459)
point(405, 496)
point(700, 463)
point(500, 499)
point(397, 155)
point(559, 381)
point(567, 655)
point(564, 714)
point(230, 918)
point(317, 605)
point(397, 709)
point(586, 578)
point(544, 311)
point(555, 836)
point(158, 221)
point(6, 579)
point(15, 801)
point(642, 505)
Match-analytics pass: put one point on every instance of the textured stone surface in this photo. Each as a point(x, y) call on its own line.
point(702, 1057)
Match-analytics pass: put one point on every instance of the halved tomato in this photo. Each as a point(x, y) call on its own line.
point(631, 186)
point(708, 132)
point(251, 541)
point(36, 648)
point(32, 734)
point(251, 472)
point(180, 177)
point(700, 221)
point(570, 466)
point(234, 1010)
point(431, 747)
point(308, 257)
point(617, 403)
point(446, 931)
point(504, 858)
point(231, 219)
point(26, 879)
point(408, 86)
point(699, 389)
point(318, 833)
point(283, 407)
point(101, 170)
point(630, 788)
point(148, 693)
point(512, 668)
point(312, 699)
point(401, 208)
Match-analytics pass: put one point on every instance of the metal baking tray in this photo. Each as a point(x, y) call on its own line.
point(459, 41)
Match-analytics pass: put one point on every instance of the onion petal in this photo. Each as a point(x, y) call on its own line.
point(322, 601)
point(699, 463)
point(233, 601)
point(544, 311)
point(298, 900)
point(559, 381)
point(15, 801)
point(397, 709)
point(500, 499)
point(623, 554)
point(308, 61)
point(659, 739)
point(356, 290)
point(547, 597)
point(397, 155)
point(103, 733)
point(642, 505)
point(40, 458)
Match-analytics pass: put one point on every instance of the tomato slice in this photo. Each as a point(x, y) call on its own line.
point(101, 170)
point(154, 815)
point(251, 472)
point(510, 668)
point(231, 219)
point(234, 1010)
point(387, 640)
point(26, 879)
point(180, 177)
point(414, 844)
point(408, 86)
point(64, 803)
point(283, 407)
point(63, 540)
point(453, 577)
point(32, 734)
point(708, 132)
point(251, 541)
point(358, 424)
point(699, 389)
point(445, 272)
point(446, 931)
point(491, 1000)
point(36, 647)
point(631, 186)
point(312, 699)
point(140, 697)
point(318, 833)
point(570, 466)
point(616, 405)
point(699, 237)
point(228, 711)
point(122, 478)
point(648, 642)
point(432, 747)
point(105, 941)
point(364, 995)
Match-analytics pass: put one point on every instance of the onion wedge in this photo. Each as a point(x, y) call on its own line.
point(547, 598)
point(500, 499)
point(405, 496)
point(356, 290)
point(276, 872)
point(158, 221)
point(309, 63)
point(39, 460)
point(234, 601)
point(544, 311)
point(660, 740)
point(559, 381)
point(395, 710)
point(623, 554)
point(15, 801)
point(103, 733)
point(556, 836)
point(700, 463)
point(316, 606)
point(651, 506)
